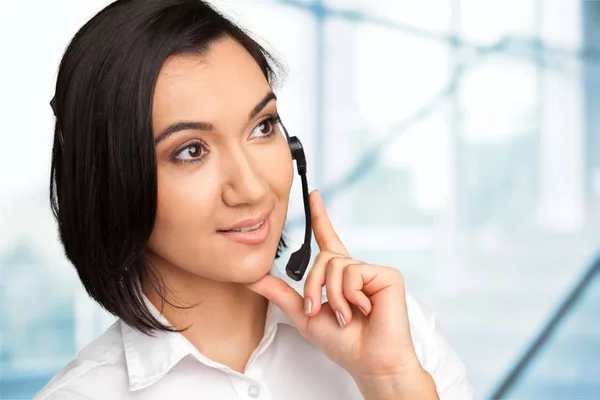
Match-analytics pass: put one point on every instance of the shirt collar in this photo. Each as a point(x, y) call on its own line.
point(150, 357)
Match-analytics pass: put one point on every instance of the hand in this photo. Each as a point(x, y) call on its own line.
point(364, 326)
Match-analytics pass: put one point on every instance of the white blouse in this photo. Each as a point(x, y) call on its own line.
point(123, 363)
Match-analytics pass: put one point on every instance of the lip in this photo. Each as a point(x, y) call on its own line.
point(247, 222)
point(253, 237)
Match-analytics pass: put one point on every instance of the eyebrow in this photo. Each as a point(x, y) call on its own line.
point(207, 126)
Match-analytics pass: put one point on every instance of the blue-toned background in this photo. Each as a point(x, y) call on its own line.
point(457, 140)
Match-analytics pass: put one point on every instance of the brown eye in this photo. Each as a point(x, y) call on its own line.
point(194, 151)
point(264, 129)
point(191, 152)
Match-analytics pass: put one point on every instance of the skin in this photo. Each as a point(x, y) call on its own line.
point(371, 340)
point(242, 176)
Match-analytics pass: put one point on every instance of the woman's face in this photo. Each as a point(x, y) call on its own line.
point(228, 165)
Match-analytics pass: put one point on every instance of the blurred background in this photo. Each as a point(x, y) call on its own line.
point(457, 140)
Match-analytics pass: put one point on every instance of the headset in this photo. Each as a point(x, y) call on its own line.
point(298, 262)
point(296, 265)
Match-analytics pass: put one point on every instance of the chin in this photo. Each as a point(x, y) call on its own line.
point(250, 263)
point(249, 271)
point(253, 265)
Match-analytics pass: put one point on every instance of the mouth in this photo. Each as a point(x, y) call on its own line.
point(249, 231)
point(246, 228)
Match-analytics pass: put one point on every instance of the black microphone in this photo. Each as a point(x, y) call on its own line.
point(298, 262)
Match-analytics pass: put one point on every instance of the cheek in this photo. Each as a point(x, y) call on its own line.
point(279, 173)
point(278, 170)
point(183, 210)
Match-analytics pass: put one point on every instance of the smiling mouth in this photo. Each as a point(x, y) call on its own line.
point(255, 234)
point(245, 228)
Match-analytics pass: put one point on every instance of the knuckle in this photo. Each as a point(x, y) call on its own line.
point(353, 269)
point(350, 268)
point(319, 257)
point(350, 271)
point(323, 257)
point(398, 277)
point(336, 262)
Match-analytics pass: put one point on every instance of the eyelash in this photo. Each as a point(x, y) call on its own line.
point(272, 119)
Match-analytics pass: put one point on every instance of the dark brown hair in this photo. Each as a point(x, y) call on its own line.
point(103, 185)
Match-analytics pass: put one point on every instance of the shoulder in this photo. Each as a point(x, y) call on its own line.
point(436, 354)
point(102, 361)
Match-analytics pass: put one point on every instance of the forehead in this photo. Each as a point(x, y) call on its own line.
point(224, 83)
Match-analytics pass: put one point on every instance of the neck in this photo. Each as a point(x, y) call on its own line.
point(225, 321)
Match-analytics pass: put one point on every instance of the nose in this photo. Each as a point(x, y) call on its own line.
point(243, 184)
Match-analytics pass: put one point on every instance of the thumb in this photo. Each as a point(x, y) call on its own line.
point(282, 295)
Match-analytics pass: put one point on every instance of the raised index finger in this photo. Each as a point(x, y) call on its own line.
point(325, 235)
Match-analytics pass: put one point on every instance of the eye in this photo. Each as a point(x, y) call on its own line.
point(190, 153)
point(265, 128)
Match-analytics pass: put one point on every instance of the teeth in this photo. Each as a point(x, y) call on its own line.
point(249, 228)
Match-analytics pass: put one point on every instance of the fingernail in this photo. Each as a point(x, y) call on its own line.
point(340, 319)
point(362, 310)
point(307, 305)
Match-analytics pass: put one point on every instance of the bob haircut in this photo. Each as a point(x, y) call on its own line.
point(103, 179)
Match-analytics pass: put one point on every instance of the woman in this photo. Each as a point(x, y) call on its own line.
point(170, 185)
